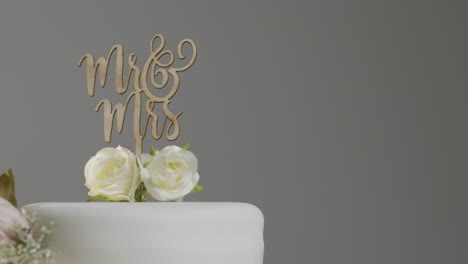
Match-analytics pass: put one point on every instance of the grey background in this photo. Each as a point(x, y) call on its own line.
point(344, 121)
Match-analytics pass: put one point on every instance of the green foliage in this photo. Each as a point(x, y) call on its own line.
point(153, 150)
point(141, 193)
point(98, 198)
point(186, 146)
point(7, 186)
point(197, 188)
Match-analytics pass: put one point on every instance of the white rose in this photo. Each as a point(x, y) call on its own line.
point(113, 173)
point(170, 174)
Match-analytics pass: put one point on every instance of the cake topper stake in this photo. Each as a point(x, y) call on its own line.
point(149, 73)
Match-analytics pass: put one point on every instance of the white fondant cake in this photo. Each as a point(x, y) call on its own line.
point(159, 233)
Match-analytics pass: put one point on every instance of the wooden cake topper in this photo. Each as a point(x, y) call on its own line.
point(152, 70)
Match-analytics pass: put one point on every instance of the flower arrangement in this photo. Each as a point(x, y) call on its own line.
point(21, 238)
point(118, 175)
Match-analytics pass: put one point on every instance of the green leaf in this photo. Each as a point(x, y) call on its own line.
point(141, 193)
point(7, 186)
point(197, 188)
point(186, 146)
point(98, 198)
point(153, 150)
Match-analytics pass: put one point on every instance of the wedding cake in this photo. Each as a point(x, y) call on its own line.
point(124, 229)
point(160, 233)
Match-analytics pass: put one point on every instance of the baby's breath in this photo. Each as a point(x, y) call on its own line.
point(30, 248)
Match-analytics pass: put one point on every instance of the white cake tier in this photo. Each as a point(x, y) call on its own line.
point(159, 233)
